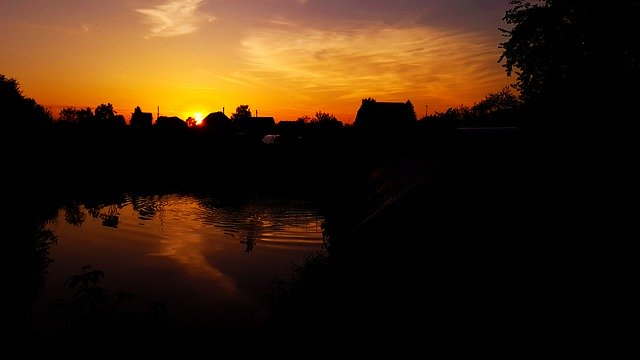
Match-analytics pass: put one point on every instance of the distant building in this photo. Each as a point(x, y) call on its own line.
point(217, 122)
point(385, 115)
point(170, 122)
point(264, 124)
point(290, 126)
point(256, 125)
point(141, 119)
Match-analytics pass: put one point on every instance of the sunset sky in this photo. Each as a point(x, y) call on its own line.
point(284, 58)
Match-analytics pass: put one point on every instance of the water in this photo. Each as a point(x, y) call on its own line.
point(210, 263)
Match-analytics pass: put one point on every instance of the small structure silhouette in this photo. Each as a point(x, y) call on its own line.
point(170, 122)
point(254, 124)
point(217, 122)
point(140, 119)
point(385, 115)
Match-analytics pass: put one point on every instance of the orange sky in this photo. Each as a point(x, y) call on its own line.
point(284, 58)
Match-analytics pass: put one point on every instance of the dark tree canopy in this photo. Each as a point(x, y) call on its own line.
point(304, 119)
point(573, 52)
point(502, 100)
point(411, 111)
point(21, 111)
point(82, 117)
point(104, 116)
point(325, 121)
point(104, 113)
point(500, 109)
point(321, 117)
point(242, 111)
point(69, 114)
point(191, 122)
point(85, 116)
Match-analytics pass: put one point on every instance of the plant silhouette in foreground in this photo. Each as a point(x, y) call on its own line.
point(94, 313)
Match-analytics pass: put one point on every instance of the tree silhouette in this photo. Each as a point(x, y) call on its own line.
point(21, 110)
point(502, 100)
point(242, 112)
point(80, 117)
point(104, 114)
point(68, 114)
point(191, 122)
point(573, 52)
point(10, 89)
point(452, 117)
point(496, 109)
point(323, 117)
point(305, 119)
point(85, 116)
point(412, 111)
point(325, 121)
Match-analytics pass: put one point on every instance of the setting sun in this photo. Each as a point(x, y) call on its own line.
point(198, 117)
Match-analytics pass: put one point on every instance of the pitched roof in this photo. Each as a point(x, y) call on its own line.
point(374, 114)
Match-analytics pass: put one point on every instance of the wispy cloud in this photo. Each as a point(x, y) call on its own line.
point(173, 18)
point(378, 61)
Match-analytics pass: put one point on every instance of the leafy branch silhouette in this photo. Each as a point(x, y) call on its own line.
point(94, 312)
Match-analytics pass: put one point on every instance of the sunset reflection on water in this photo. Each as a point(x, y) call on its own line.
point(209, 262)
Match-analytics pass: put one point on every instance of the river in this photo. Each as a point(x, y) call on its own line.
point(210, 264)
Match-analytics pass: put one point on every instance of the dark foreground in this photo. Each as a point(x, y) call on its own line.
point(464, 242)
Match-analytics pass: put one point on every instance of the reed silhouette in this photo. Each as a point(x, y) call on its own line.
point(93, 315)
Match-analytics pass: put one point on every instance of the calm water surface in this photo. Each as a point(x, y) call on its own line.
point(209, 262)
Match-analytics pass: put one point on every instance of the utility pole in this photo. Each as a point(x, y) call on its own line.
point(426, 110)
point(256, 113)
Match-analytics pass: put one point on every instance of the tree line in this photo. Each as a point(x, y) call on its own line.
point(26, 112)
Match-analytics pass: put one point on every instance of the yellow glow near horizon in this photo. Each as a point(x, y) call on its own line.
point(198, 117)
point(279, 64)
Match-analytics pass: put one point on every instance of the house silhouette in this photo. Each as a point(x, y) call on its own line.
point(170, 122)
point(217, 122)
point(140, 119)
point(255, 125)
point(385, 115)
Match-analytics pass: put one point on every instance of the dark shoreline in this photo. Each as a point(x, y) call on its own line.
point(487, 261)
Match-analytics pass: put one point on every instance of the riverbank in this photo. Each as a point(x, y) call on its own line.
point(464, 236)
point(495, 246)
